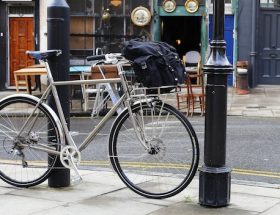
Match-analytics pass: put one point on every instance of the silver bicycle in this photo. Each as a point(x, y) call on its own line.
point(152, 146)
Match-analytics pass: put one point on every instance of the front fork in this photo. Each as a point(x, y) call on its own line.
point(138, 124)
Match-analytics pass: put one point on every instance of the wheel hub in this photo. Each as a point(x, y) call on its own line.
point(157, 147)
point(34, 137)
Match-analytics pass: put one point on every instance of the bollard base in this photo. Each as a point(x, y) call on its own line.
point(60, 177)
point(214, 186)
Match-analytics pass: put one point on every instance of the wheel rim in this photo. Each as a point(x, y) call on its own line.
point(21, 165)
point(167, 167)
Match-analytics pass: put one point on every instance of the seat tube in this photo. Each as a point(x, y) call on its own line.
point(49, 74)
point(58, 105)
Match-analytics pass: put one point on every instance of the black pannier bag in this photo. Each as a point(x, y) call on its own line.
point(156, 64)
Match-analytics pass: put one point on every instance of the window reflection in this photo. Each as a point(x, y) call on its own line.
point(103, 24)
point(270, 3)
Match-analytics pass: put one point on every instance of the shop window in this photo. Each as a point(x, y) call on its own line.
point(270, 4)
point(104, 24)
point(81, 28)
point(81, 7)
point(21, 10)
point(114, 25)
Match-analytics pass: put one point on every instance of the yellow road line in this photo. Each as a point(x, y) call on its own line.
point(256, 173)
point(139, 164)
point(179, 166)
point(237, 171)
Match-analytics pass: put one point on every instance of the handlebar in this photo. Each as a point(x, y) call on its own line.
point(111, 58)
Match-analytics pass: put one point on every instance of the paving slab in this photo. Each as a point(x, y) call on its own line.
point(256, 189)
point(253, 203)
point(69, 194)
point(103, 205)
point(15, 205)
point(275, 210)
point(184, 208)
point(258, 112)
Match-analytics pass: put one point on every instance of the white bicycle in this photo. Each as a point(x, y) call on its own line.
point(152, 146)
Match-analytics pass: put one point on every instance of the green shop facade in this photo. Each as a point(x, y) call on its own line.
point(185, 24)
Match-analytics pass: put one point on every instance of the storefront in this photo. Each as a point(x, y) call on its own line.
point(185, 24)
point(258, 40)
point(102, 26)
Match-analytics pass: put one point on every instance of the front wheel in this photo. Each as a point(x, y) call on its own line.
point(170, 161)
point(21, 164)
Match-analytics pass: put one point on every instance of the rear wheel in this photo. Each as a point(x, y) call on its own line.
point(20, 163)
point(170, 162)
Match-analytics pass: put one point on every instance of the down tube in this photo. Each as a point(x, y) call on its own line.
point(100, 125)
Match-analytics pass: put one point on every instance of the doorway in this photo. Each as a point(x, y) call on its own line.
point(182, 32)
point(269, 47)
point(21, 32)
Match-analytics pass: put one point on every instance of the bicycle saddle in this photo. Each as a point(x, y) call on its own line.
point(43, 55)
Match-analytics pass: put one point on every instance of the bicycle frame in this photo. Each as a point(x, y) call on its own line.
point(125, 98)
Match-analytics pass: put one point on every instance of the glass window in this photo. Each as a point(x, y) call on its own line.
point(103, 24)
point(81, 28)
point(270, 3)
point(114, 25)
point(81, 7)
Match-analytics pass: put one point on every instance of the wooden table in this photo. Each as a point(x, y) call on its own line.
point(27, 73)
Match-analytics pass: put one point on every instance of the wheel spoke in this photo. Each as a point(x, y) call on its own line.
point(170, 163)
point(20, 163)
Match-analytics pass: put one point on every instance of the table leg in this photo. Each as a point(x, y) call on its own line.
point(29, 90)
point(16, 82)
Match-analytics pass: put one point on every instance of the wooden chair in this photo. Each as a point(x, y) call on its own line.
point(96, 93)
point(183, 97)
point(196, 94)
point(192, 96)
point(192, 61)
point(187, 97)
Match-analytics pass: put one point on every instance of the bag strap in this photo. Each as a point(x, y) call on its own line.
point(170, 68)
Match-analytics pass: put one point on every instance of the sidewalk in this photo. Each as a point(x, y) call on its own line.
point(102, 192)
point(262, 101)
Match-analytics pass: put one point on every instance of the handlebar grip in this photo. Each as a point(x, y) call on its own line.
point(96, 57)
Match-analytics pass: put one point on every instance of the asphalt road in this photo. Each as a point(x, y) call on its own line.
point(253, 146)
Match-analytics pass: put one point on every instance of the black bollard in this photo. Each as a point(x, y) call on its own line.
point(215, 176)
point(58, 38)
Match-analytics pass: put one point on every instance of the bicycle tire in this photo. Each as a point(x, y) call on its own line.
point(20, 165)
point(169, 166)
